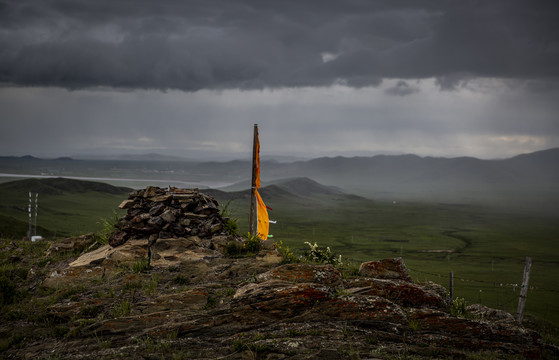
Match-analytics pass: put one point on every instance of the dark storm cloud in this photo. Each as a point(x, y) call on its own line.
point(223, 44)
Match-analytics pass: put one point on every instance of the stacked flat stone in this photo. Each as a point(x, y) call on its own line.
point(154, 213)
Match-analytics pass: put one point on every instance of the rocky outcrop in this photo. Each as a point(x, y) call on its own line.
point(250, 307)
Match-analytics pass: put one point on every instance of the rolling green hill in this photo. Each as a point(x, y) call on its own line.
point(13, 228)
point(59, 186)
point(66, 206)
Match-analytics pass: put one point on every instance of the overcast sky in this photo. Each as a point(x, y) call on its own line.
point(320, 77)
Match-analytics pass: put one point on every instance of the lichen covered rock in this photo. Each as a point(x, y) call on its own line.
point(399, 291)
point(320, 274)
point(385, 269)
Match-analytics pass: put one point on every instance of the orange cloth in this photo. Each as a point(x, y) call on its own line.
point(263, 222)
point(263, 225)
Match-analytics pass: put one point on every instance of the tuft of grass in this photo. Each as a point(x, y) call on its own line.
point(90, 311)
point(349, 269)
point(322, 255)
point(250, 246)
point(68, 292)
point(110, 293)
point(132, 285)
point(172, 334)
point(238, 345)
point(147, 343)
point(414, 325)
point(252, 243)
point(211, 301)
point(231, 225)
point(458, 307)
point(181, 280)
point(151, 287)
point(342, 292)
point(229, 292)
point(122, 309)
point(233, 249)
point(103, 343)
point(287, 254)
point(108, 228)
point(140, 265)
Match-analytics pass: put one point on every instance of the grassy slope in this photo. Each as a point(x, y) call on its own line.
point(14, 229)
point(66, 207)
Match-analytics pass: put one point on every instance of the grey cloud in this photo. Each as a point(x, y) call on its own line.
point(247, 44)
point(402, 88)
point(453, 81)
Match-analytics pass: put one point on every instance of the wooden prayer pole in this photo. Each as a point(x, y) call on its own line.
point(252, 222)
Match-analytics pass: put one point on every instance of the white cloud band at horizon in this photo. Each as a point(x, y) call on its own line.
point(485, 118)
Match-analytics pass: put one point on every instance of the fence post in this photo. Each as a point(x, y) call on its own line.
point(523, 290)
point(452, 286)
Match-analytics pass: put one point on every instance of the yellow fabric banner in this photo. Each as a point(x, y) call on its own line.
point(263, 225)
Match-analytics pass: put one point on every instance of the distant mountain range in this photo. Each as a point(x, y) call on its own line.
point(524, 180)
point(407, 173)
point(528, 180)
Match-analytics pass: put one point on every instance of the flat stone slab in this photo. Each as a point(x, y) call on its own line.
point(304, 273)
point(385, 269)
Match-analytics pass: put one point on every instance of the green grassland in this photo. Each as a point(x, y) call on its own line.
point(69, 208)
point(485, 247)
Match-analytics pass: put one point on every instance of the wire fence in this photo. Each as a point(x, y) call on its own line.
point(514, 286)
point(542, 300)
point(497, 293)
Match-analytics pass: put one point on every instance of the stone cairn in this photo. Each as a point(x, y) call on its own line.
point(155, 213)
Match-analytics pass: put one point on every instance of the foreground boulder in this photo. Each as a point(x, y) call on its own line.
point(385, 269)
